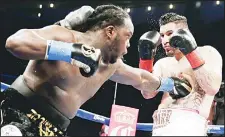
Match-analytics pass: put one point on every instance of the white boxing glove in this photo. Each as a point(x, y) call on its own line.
point(76, 17)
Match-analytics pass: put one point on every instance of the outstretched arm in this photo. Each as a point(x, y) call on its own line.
point(148, 82)
point(138, 78)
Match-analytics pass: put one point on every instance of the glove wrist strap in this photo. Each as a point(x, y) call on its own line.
point(57, 50)
point(146, 64)
point(195, 59)
point(166, 85)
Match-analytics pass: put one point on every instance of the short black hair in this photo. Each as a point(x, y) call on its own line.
point(172, 17)
point(105, 15)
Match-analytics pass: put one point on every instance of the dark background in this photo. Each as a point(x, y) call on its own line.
point(206, 23)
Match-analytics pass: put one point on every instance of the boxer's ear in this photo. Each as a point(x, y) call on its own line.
point(110, 32)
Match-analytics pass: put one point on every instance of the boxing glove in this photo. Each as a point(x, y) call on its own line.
point(182, 88)
point(86, 57)
point(147, 46)
point(177, 88)
point(185, 42)
point(76, 18)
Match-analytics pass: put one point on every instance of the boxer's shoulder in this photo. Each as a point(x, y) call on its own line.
point(76, 36)
point(206, 49)
point(209, 52)
point(60, 33)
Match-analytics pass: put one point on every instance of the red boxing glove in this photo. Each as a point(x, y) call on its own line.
point(146, 64)
point(147, 46)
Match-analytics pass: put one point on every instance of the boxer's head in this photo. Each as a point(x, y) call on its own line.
point(114, 28)
point(169, 23)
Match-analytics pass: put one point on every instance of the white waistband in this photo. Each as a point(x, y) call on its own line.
point(178, 121)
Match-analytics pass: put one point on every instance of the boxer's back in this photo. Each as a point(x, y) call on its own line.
point(63, 85)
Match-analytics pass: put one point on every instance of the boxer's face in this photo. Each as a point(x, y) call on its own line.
point(166, 32)
point(118, 42)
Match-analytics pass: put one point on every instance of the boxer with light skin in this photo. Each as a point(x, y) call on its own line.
point(202, 66)
point(67, 68)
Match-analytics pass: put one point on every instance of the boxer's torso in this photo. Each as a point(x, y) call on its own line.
point(197, 99)
point(185, 116)
point(63, 85)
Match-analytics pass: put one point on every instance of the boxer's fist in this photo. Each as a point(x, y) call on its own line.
point(147, 44)
point(77, 17)
point(84, 56)
point(88, 57)
point(183, 40)
point(181, 88)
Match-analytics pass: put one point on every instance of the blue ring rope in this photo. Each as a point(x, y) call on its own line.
point(216, 129)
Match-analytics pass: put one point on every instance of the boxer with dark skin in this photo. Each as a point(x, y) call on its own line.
point(67, 67)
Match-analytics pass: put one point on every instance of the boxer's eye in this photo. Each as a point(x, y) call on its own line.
point(169, 33)
point(128, 36)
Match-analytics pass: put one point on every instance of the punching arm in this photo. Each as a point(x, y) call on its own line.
point(148, 82)
point(138, 78)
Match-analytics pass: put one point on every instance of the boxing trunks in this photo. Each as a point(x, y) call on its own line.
point(178, 122)
point(29, 115)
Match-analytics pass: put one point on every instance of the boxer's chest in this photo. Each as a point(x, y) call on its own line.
point(67, 77)
point(174, 68)
point(194, 99)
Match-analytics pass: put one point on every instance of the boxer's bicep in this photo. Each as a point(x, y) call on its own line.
point(54, 32)
point(213, 59)
point(209, 76)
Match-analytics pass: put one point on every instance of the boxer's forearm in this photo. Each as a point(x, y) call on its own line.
point(208, 79)
point(148, 84)
point(208, 75)
point(149, 95)
point(25, 45)
point(138, 78)
point(30, 44)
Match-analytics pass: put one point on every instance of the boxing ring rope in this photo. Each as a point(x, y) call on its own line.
point(216, 129)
